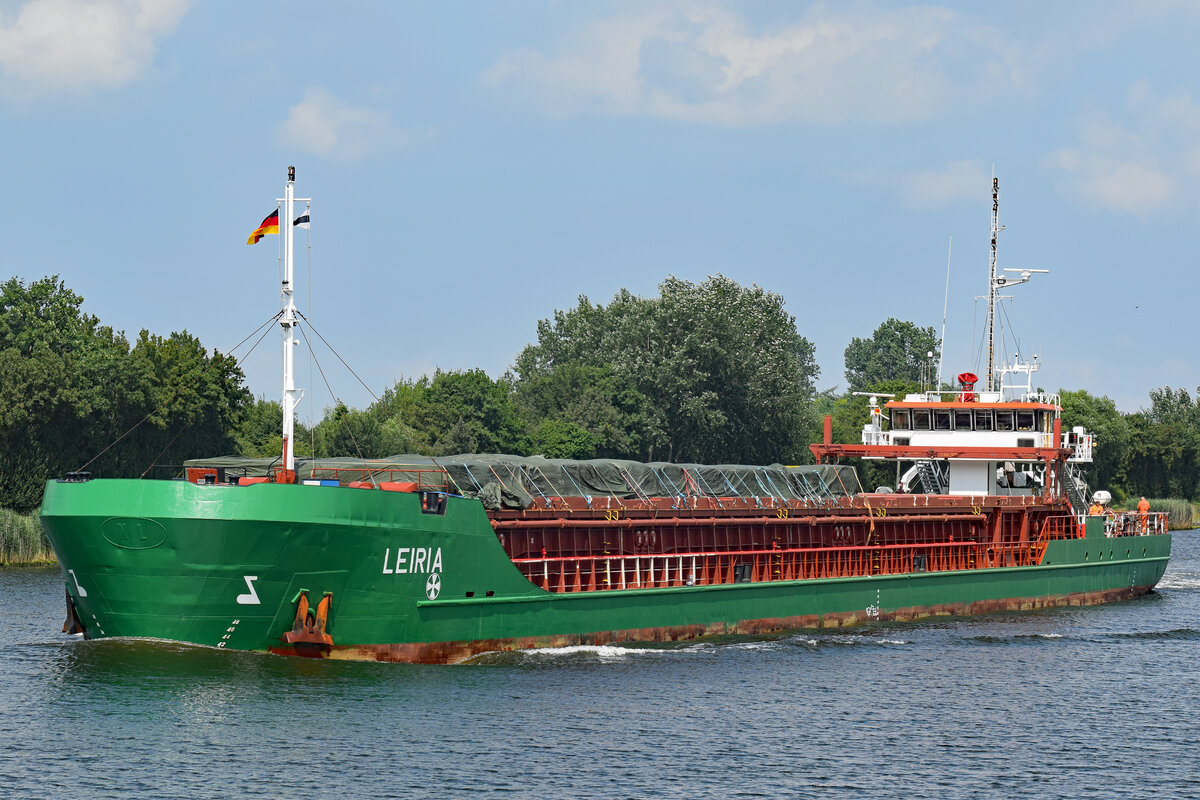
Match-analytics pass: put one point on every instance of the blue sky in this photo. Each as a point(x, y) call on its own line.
point(474, 166)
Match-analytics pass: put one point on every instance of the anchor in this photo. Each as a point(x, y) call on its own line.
point(308, 635)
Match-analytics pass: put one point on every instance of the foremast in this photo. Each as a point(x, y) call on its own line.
point(288, 321)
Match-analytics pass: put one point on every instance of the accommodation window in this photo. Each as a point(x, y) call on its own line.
point(920, 419)
point(962, 420)
point(941, 420)
point(1025, 421)
point(983, 421)
point(1004, 420)
point(900, 420)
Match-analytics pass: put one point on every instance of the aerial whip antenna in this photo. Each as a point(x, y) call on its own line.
point(945, 305)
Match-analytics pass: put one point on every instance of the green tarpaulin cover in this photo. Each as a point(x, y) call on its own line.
point(516, 481)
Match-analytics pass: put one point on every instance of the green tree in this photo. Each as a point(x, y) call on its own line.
point(1164, 457)
point(467, 411)
point(556, 438)
point(723, 372)
point(452, 412)
point(1099, 415)
point(260, 432)
point(196, 402)
point(898, 350)
point(73, 392)
point(598, 413)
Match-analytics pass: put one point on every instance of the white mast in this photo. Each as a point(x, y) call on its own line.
point(996, 282)
point(291, 395)
point(990, 383)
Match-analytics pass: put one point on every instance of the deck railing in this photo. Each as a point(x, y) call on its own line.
point(1062, 526)
point(606, 572)
point(1131, 523)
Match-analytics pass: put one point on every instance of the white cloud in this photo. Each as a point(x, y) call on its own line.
point(1113, 184)
point(326, 126)
point(79, 45)
point(1133, 165)
point(837, 64)
point(953, 182)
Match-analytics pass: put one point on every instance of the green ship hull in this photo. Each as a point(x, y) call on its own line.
point(228, 566)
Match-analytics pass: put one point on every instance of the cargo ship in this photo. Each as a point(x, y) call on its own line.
point(438, 560)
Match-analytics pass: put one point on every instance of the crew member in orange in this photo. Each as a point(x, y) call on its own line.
point(1144, 514)
point(1096, 510)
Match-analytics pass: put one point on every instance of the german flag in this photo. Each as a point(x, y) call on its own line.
point(269, 225)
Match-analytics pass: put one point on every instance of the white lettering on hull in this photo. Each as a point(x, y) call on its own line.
point(412, 560)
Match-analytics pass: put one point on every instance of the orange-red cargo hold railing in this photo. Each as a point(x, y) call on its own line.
point(592, 573)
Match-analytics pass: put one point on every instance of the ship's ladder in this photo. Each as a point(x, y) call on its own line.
point(931, 476)
point(1076, 487)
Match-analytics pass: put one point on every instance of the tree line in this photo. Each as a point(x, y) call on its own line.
point(71, 387)
point(709, 372)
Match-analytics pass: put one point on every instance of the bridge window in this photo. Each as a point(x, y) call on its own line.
point(941, 420)
point(962, 420)
point(983, 421)
point(920, 419)
point(1004, 420)
point(900, 421)
point(1025, 421)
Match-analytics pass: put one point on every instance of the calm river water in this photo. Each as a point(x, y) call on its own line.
point(1072, 703)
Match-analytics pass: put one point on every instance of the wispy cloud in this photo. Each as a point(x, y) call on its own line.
point(56, 46)
point(323, 125)
point(1138, 163)
point(837, 64)
point(953, 182)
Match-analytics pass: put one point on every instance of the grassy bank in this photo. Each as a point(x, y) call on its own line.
point(23, 540)
point(1179, 512)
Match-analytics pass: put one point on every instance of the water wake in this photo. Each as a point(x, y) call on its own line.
point(1180, 580)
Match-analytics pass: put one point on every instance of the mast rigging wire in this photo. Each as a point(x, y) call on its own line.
point(353, 440)
point(175, 392)
point(371, 392)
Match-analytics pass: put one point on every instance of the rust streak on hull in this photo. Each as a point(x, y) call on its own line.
point(458, 651)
